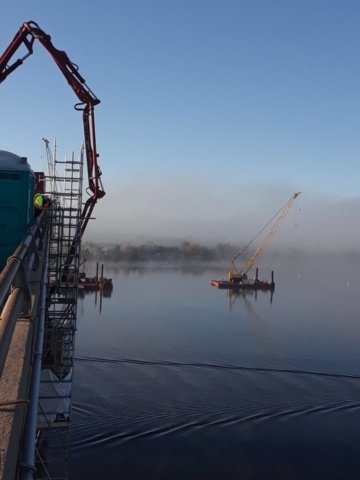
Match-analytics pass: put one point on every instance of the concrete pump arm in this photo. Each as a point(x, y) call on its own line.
point(26, 36)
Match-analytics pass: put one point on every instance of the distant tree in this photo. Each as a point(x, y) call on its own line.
point(185, 246)
point(150, 251)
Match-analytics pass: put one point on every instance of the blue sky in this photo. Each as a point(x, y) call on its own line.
point(240, 92)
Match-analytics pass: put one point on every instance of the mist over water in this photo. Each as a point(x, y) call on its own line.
point(175, 379)
point(171, 209)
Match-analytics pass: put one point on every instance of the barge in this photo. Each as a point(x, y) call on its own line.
point(238, 279)
point(92, 284)
point(225, 284)
point(95, 283)
point(242, 282)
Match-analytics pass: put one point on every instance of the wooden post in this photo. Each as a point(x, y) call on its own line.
point(102, 272)
point(97, 271)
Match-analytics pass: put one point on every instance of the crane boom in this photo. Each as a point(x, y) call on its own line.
point(234, 275)
point(270, 234)
point(28, 33)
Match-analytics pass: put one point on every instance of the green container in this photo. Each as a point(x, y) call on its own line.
point(17, 183)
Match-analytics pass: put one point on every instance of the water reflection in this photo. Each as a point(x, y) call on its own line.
point(98, 295)
point(179, 380)
point(195, 270)
point(245, 296)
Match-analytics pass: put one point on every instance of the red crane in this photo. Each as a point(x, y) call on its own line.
point(28, 33)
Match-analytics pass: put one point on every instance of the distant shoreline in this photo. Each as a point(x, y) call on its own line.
point(194, 254)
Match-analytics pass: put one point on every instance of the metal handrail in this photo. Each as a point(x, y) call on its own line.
point(15, 276)
point(27, 464)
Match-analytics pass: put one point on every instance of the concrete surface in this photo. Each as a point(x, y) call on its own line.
point(14, 385)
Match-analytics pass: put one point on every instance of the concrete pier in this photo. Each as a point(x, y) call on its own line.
point(14, 384)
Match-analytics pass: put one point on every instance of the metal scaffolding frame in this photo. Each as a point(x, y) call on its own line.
point(54, 411)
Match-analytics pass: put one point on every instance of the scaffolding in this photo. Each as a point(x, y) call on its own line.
point(54, 412)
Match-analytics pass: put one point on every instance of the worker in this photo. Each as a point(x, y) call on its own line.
point(38, 200)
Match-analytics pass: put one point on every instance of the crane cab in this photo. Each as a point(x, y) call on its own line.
point(236, 277)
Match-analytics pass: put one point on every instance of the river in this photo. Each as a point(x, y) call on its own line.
point(176, 380)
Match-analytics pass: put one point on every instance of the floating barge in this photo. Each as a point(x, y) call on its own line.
point(95, 283)
point(245, 283)
point(88, 285)
point(262, 285)
point(91, 284)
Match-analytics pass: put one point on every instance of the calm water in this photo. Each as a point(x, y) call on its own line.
point(174, 380)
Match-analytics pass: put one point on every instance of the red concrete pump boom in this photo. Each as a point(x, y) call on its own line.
point(26, 36)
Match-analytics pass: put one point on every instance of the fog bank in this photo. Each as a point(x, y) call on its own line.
point(169, 210)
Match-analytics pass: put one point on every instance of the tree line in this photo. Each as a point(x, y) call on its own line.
point(126, 252)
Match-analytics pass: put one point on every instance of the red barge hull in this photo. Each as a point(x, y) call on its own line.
point(94, 286)
point(240, 286)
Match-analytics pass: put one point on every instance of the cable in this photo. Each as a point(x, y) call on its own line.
point(276, 214)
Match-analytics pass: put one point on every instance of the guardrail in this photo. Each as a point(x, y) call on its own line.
point(14, 279)
point(29, 449)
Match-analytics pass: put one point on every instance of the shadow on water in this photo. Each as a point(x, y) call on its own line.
point(175, 379)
